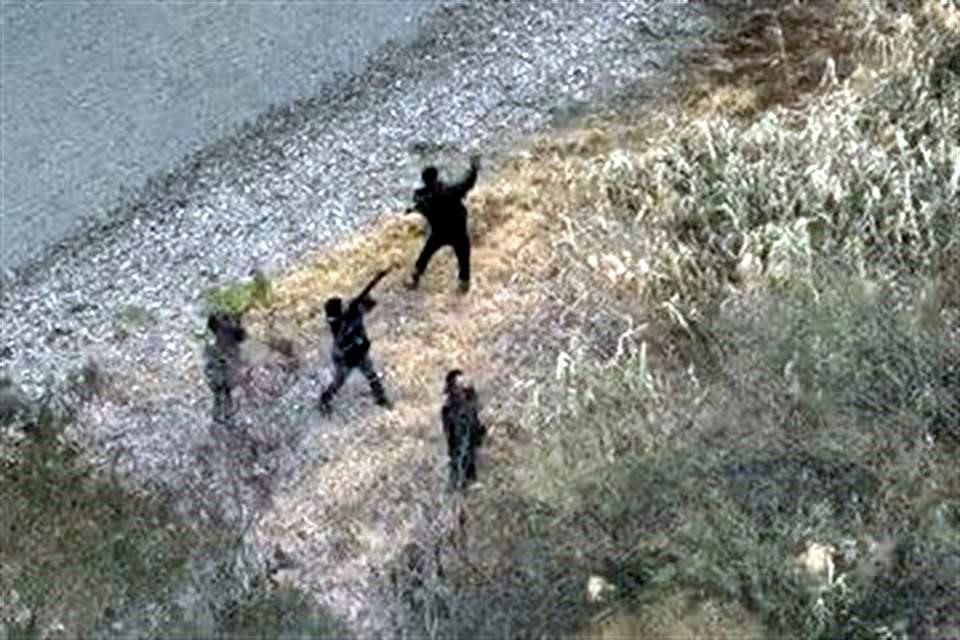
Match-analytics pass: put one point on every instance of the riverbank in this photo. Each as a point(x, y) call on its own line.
point(130, 296)
point(306, 175)
point(713, 411)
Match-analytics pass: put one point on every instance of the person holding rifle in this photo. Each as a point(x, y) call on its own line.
point(351, 346)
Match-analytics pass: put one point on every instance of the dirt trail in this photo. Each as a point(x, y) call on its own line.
point(341, 494)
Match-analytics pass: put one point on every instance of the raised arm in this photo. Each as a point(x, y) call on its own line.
point(363, 299)
point(463, 187)
point(376, 279)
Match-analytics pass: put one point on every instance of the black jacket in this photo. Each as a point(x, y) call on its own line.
point(442, 204)
point(350, 342)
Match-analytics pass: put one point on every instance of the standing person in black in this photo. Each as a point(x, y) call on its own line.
point(351, 346)
point(463, 430)
point(442, 205)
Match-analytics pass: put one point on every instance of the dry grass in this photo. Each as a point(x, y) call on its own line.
point(771, 57)
point(551, 238)
point(593, 251)
point(687, 617)
point(419, 335)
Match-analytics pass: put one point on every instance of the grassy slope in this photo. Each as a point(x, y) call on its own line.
point(690, 487)
point(76, 549)
point(683, 450)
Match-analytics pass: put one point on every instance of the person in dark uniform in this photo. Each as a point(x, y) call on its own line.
point(442, 205)
point(351, 346)
point(463, 430)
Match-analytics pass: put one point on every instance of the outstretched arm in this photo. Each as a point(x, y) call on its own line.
point(363, 301)
point(370, 285)
point(367, 304)
point(463, 187)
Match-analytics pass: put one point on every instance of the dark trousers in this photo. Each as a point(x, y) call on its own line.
point(342, 370)
point(463, 465)
point(223, 405)
point(436, 241)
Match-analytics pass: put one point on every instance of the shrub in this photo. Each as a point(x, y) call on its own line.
point(868, 171)
point(78, 545)
point(243, 296)
point(281, 613)
point(813, 427)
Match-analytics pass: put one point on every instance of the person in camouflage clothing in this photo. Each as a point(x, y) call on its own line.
point(351, 346)
point(222, 362)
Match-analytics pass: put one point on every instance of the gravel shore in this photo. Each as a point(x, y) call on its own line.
point(301, 177)
point(304, 175)
point(129, 293)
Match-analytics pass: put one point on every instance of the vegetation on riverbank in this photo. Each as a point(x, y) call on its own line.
point(746, 420)
point(716, 342)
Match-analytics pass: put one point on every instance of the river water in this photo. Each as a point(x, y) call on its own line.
point(98, 96)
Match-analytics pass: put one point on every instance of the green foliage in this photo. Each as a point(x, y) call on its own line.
point(590, 419)
point(78, 546)
point(811, 430)
point(868, 172)
point(241, 297)
point(919, 592)
point(792, 248)
point(282, 613)
point(78, 543)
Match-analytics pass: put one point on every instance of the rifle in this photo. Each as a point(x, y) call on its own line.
point(366, 290)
